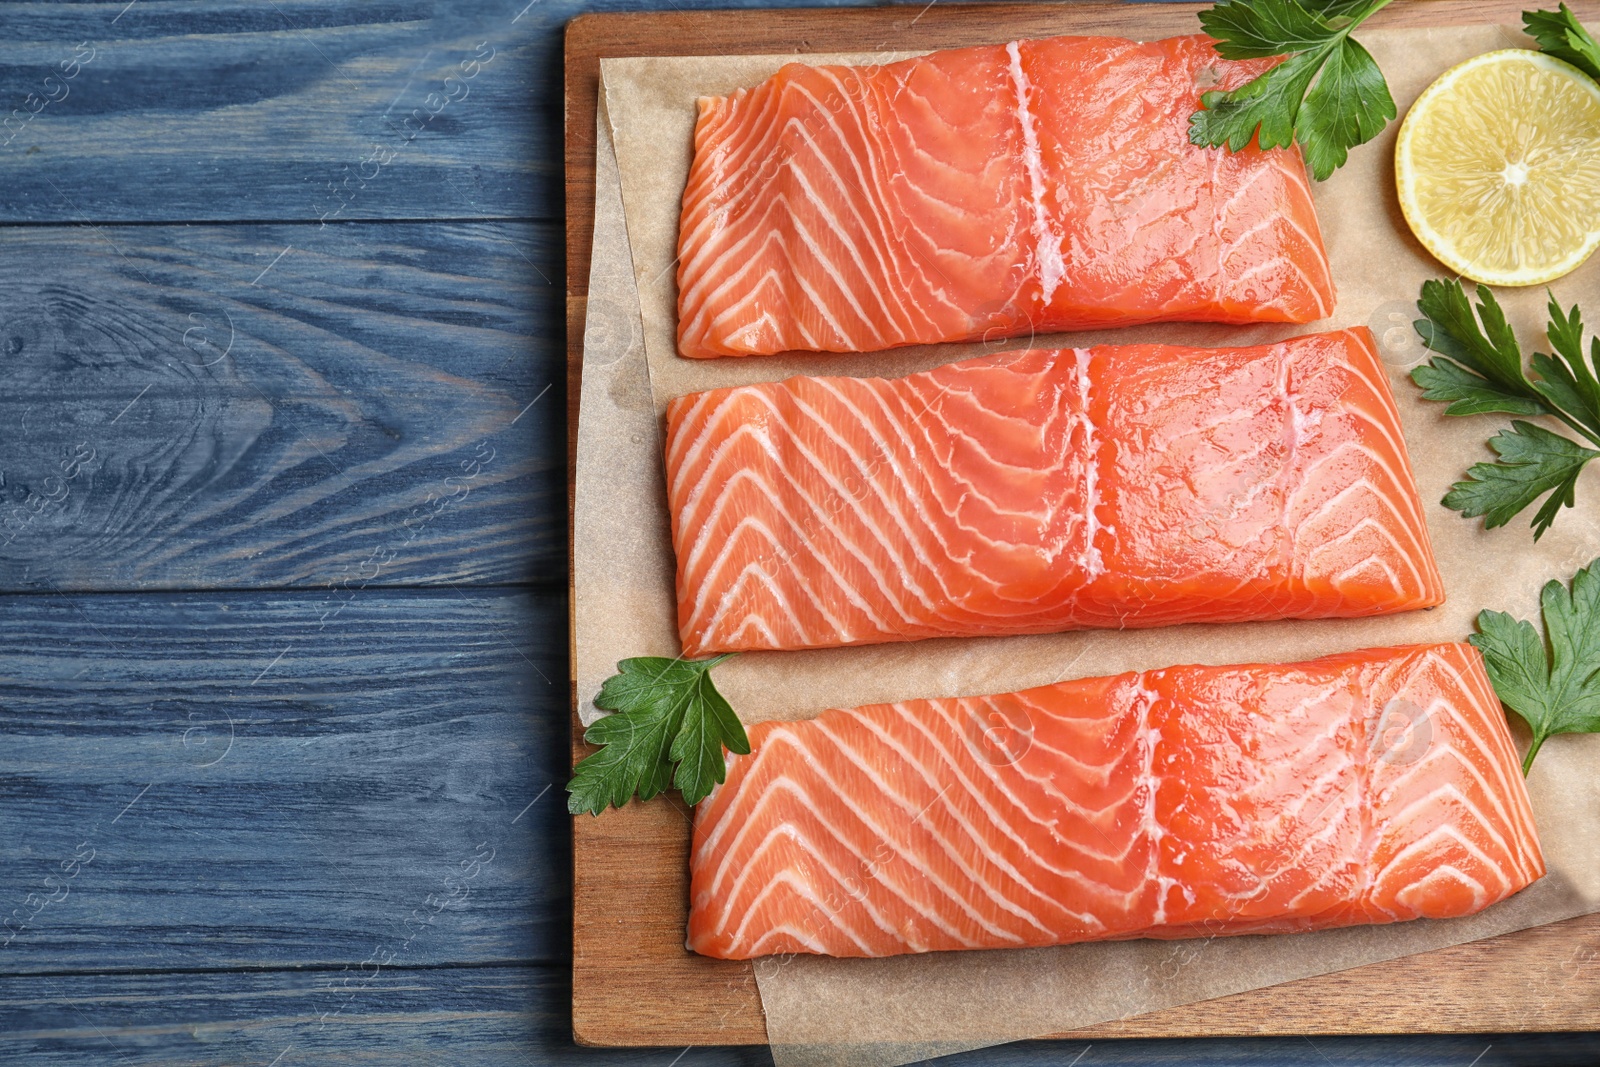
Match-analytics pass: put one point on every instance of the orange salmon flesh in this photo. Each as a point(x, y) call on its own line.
point(1046, 490)
point(1368, 787)
point(982, 193)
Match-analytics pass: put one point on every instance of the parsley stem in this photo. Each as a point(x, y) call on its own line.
point(1356, 20)
point(1533, 750)
point(1365, 15)
point(1555, 412)
point(1587, 434)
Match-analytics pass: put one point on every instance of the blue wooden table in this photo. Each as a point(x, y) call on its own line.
point(282, 548)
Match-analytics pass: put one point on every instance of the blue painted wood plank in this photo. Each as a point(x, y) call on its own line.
point(290, 110)
point(294, 110)
point(207, 781)
point(515, 1015)
point(454, 1017)
point(248, 405)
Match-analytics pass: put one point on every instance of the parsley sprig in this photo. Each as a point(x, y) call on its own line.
point(1479, 370)
point(669, 727)
point(1329, 94)
point(1560, 34)
point(1551, 682)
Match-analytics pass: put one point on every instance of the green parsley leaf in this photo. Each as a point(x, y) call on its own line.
point(1468, 393)
point(1479, 370)
point(1560, 34)
point(1533, 461)
point(1349, 106)
point(1266, 106)
point(1554, 689)
point(1566, 382)
point(1329, 94)
point(1491, 352)
point(1257, 29)
point(666, 714)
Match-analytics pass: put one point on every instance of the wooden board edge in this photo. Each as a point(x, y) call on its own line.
point(592, 1026)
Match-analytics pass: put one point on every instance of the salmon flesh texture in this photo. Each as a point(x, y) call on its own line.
point(1046, 490)
point(1367, 787)
point(984, 193)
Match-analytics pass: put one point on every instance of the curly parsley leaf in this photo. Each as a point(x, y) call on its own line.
point(1552, 683)
point(1560, 34)
point(1329, 95)
point(1480, 370)
point(668, 728)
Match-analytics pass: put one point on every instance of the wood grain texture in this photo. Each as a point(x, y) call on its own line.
point(339, 406)
point(248, 110)
point(289, 110)
point(283, 779)
point(630, 976)
point(513, 1016)
point(278, 779)
point(483, 1016)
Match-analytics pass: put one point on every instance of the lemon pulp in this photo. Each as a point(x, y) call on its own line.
point(1498, 168)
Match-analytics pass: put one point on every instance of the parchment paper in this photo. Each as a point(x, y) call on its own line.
point(822, 1010)
point(623, 600)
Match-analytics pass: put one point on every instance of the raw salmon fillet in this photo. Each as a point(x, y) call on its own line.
point(984, 193)
point(1045, 490)
point(1368, 787)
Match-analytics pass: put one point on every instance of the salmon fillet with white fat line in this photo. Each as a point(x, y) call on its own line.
point(1046, 490)
point(984, 193)
point(1368, 787)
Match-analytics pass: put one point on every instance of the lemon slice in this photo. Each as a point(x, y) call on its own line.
point(1498, 168)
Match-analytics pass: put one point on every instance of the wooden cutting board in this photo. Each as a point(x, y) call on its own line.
point(633, 983)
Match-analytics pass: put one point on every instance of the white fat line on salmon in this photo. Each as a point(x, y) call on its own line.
point(1367, 524)
point(1426, 846)
point(1493, 751)
point(1150, 735)
point(1048, 249)
point(948, 839)
point(1297, 425)
point(1091, 560)
point(753, 865)
point(1483, 827)
point(1291, 442)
